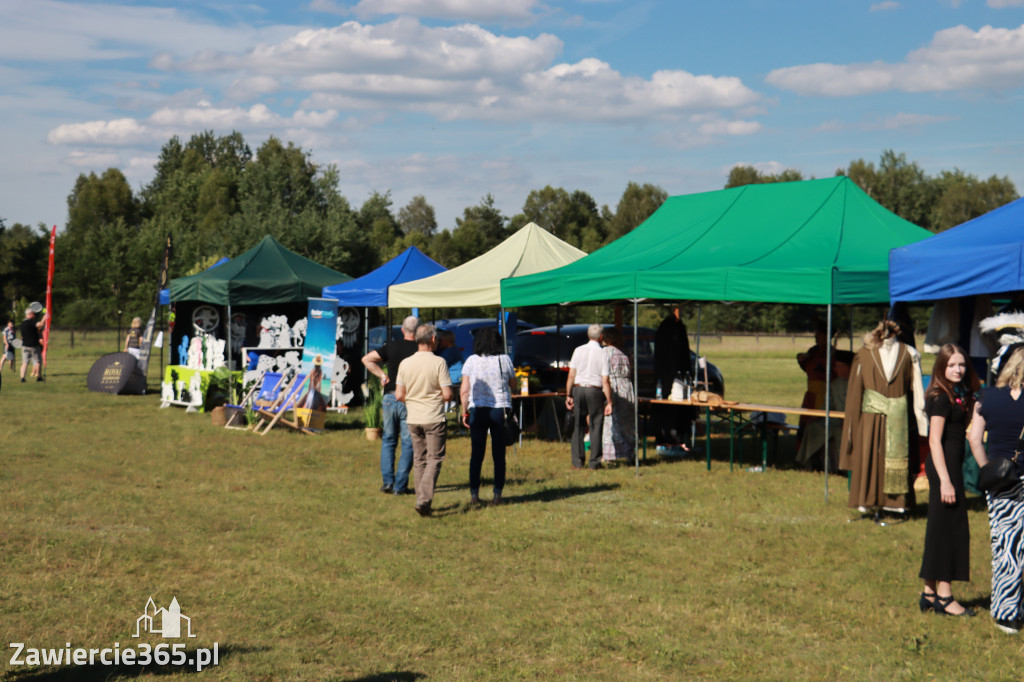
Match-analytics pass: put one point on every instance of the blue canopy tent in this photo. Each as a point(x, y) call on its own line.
point(982, 256)
point(371, 290)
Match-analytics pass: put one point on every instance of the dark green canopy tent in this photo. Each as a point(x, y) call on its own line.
point(816, 241)
point(266, 273)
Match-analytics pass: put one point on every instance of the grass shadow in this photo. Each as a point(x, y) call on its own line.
point(394, 676)
point(343, 426)
point(99, 673)
point(547, 495)
point(563, 493)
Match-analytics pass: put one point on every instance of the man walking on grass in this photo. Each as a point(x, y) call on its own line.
point(424, 385)
point(588, 396)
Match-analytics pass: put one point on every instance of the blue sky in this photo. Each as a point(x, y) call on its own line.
point(455, 99)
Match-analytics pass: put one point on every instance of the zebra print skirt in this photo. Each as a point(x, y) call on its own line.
point(1006, 520)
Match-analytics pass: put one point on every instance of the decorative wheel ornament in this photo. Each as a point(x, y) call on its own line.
point(205, 318)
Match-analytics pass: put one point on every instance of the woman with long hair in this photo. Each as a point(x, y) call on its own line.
point(488, 380)
point(1000, 411)
point(948, 402)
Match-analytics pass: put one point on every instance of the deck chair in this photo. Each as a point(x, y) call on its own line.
point(269, 416)
point(307, 420)
point(269, 390)
point(262, 394)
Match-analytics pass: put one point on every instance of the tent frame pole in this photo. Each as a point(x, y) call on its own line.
point(828, 395)
point(636, 391)
point(696, 375)
point(227, 325)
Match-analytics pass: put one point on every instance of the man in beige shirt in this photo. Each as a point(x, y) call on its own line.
point(424, 385)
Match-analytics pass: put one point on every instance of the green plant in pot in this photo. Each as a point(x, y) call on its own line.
point(223, 388)
point(372, 418)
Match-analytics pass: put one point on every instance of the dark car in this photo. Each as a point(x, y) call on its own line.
point(377, 336)
point(546, 352)
point(464, 328)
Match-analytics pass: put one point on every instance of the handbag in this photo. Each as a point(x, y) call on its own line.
point(511, 428)
point(511, 425)
point(1000, 474)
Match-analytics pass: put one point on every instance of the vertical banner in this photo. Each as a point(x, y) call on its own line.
point(321, 335)
point(49, 297)
point(146, 342)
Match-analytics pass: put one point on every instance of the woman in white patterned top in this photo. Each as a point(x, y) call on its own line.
point(488, 379)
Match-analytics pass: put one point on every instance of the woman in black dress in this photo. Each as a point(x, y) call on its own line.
point(949, 401)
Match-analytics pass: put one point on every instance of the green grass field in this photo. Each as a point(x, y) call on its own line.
point(282, 552)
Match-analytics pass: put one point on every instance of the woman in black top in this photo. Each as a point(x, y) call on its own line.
point(948, 402)
point(1000, 411)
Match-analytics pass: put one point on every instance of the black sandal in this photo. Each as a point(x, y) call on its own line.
point(927, 602)
point(942, 602)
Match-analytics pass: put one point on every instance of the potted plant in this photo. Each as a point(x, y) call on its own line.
point(372, 419)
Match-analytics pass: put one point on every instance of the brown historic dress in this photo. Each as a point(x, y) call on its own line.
point(874, 403)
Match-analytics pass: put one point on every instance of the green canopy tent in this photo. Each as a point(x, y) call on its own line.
point(266, 274)
point(817, 242)
point(813, 242)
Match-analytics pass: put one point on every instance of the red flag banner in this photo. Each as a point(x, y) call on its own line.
point(49, 297)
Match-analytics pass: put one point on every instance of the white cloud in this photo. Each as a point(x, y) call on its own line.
point(730, 128)
point(884, 6)
point(81, 159)
point(1001, 4)
point(122, 131)
point(49, 31)
point(143, 163)
point(402, 46)
point(251, 87)
point(168, 121)
point(457, 10)
point(257, 116)
point(956, 59)
point(460, 72)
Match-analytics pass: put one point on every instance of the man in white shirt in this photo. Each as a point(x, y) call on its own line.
point(589, 394)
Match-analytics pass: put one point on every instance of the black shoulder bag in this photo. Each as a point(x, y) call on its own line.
point(1000, 474)
point(511, 425)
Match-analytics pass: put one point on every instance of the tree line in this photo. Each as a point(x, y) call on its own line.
point(213, 196)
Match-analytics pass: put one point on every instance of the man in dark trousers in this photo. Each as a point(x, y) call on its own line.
point(31, 344)
point(588, 396)
point(671, 362)
point(396, 427)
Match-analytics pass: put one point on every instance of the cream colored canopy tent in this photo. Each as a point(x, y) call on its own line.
point(478, 282)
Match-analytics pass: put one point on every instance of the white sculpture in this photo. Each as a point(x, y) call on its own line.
point(215, 353)
point(338, 398)
point(274, 332)
point(299, 333)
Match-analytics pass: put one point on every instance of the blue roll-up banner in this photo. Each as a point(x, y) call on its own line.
point(321, 335)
